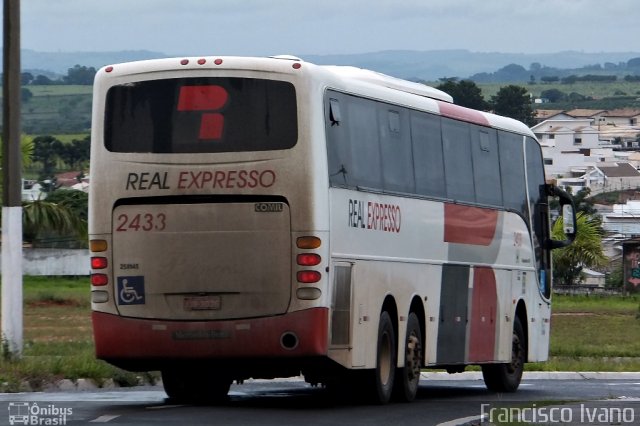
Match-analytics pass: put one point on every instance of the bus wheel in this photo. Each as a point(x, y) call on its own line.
point(383, 376)
point(195, 386)
point(408, 377)
point(506, 377)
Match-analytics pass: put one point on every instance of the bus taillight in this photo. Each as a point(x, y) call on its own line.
point(308, 259)
point(308, 242)
point(98, 245)
point(99, 279)
point(308, 277)
point(98, 262)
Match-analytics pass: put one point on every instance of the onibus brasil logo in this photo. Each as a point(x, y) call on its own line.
point(30, 413)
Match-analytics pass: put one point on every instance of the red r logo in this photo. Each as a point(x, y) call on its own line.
point(205, 98)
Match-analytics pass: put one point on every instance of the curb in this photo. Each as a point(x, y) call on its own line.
point(83, 385)
point(539, 375)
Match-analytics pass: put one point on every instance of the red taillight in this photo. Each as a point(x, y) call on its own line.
point(99, 279)
point(184, 62)
point(308, 259)
point(109, 69)
point(202, 61)
point(218, 61)
point(309, 277)
point(98, 262)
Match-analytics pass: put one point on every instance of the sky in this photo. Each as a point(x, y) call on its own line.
point(319, 27)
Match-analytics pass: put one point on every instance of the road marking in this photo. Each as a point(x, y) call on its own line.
point(104, 419)
point(461, 421)
point(164, 407)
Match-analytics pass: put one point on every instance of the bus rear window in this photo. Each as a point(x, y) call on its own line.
point(192, 115)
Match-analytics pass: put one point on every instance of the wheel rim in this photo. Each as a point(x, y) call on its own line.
point(516, 355)
point(413, 357)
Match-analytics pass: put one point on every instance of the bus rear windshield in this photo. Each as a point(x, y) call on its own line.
point(195, 115)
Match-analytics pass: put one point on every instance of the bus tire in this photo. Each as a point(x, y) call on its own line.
point(195, 386)
point(507, 377)
point(408, 377)
point(379, 387)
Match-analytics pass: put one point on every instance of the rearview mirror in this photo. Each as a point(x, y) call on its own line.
point(568, 215)
point(569, 224)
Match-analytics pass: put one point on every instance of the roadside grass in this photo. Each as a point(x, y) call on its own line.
point(596, 333)
point(58, 342)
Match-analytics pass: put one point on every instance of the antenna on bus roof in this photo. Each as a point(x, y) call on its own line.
point(390, 82)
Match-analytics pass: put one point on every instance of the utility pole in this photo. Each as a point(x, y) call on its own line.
point(12, 185)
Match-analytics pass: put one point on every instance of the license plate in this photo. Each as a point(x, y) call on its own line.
point(202, 303)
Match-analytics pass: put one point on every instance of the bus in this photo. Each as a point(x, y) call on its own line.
point(268, 217)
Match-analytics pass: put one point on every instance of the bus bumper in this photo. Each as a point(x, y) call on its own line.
point(297, 334)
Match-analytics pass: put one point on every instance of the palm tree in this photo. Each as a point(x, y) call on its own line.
point(585, 251)
point(45, 217)
point(41, 216)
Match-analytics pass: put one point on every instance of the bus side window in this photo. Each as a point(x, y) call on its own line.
point(338, 151)
point(458, 167)
point(395, 148)
point(428, 161)
point(364, 143)
point(512, 172)
point(486, 165)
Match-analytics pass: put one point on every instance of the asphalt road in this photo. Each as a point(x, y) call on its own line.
point(442, 400)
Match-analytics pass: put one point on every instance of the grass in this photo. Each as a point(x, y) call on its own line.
point(58, 340)
point(588, 333)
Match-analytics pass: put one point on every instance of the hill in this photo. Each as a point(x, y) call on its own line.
point(410, 64)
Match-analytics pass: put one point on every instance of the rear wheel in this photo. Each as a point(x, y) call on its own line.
point(507, 377)
point(195, 386)
point(379, 387)
point(408, 377)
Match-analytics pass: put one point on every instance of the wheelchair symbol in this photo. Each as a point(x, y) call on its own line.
point(131, 290)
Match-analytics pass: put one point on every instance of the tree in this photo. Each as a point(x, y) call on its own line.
point(25, 95)
point(76, 201)
point(513, 101)
point(553, 95)
point(80, 75)
point(585, 251)
point(76, 153)
point(465, 93)
point(43, 217)
point(26, 149)
point(42, 80)
point(47, 150)
point(26, 78)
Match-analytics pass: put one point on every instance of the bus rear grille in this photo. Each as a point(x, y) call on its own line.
point(340, 317)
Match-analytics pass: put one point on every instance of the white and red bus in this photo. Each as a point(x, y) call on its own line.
point(267, 217)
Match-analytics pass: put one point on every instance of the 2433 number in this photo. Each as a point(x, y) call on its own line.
point(141, 222)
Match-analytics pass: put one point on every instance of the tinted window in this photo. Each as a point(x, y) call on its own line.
point(427, 154)
point(486, 165)
point(201, 115)
point(361, 122)
point(456, 147)
point(395, 147)
point(512, 172)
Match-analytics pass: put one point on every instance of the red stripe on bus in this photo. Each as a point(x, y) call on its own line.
point(484, 305)
point(119, 338)
point(461, 113)
point(202, 98)
point(469, 225)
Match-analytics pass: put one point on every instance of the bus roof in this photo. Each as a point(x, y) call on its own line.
point(288, 64)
